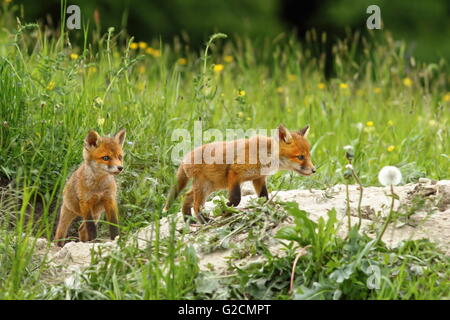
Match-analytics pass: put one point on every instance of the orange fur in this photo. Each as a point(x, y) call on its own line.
point(216, 176)
point(91, 189)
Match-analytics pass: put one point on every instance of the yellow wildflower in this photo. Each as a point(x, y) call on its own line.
point(141, 69)
point(134, 45)
point(390, 148)
point(432, 123)
point(280, 89)
point(289, 109)
point(218, 68)
point(92, 70)
point(390, 123)
point(73, 56)
point(308, 99)
point(142, 45)
point(51, 85)
point(377, 90)
point(241, 93)
point(321, 85)
point(249, 119)
point(141, 86)
point(369, 123)
point(228, 59)
point(100, 121)
point(292, 77)
point(182, 61)
point(407, 82)
point(155, 53)
point(343, 86)
point(447, 97)
point(240, 114)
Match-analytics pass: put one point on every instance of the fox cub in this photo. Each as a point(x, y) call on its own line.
point(293, 154)
point(91, 189)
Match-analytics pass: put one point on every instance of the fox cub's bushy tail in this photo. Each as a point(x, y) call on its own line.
point(180, 184)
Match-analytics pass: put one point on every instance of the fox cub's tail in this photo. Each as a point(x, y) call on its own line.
point(182, 180)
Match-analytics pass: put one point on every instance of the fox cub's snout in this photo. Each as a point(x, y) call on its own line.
point(91, 189)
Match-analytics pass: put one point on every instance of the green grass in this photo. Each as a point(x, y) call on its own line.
point(49, 99)
point(331, 267)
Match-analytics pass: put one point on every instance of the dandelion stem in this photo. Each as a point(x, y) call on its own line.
point(361, 190)
point(388, 219)
point(301, 252)
point(348, 206)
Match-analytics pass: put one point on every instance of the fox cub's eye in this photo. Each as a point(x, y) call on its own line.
point(301, 157)
point(106, 158)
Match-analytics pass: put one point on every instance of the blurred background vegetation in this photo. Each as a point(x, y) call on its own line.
point(425, 25)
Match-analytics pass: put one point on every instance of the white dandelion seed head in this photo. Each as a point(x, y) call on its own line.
point(348, 148)
point(349, 167)
point(390, 176)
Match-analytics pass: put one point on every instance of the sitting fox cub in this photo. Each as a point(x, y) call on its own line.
point(92, 188)
point(293, 154)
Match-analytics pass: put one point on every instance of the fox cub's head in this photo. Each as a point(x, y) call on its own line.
point(294, 151)
point(104, 153)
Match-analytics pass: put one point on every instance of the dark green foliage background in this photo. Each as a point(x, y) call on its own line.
point(425, 25)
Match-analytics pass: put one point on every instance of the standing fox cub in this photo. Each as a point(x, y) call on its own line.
point(292, 152)
point(92, 188)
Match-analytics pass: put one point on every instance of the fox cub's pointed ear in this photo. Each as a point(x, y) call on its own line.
point(284, 134)
point(304, 132)
point(120, 136)
point(92, 139)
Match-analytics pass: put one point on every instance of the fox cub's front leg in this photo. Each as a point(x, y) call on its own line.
point(65, 220)
point(87, 230)
point(112, 216)
point(234, 195)
point(261, 188)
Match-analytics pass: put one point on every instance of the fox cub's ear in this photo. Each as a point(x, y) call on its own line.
point(304, 132)
point(92, 139)
point(120, 136)
point(284, 134)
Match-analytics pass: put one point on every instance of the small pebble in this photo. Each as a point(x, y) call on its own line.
point(41, 243)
